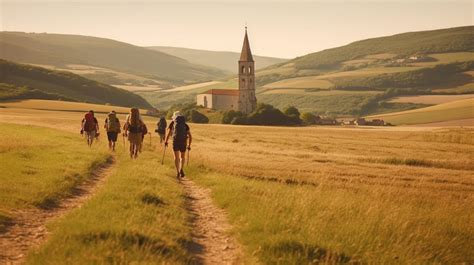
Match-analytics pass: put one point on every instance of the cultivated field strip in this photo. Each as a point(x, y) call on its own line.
point(432, 160)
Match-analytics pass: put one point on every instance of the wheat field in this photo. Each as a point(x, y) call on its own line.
point(394, 195)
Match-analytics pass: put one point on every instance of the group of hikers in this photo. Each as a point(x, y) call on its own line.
point(135, 129)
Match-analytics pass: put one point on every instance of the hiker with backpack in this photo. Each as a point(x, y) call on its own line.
point(112, 126)
point(182, 139)
point(133, 129)
point(90, 126)
point(161, 129)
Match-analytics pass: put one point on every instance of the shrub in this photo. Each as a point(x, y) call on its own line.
point(230, 115)
point(293, 114)
point(196, 116)
point(266, 114)
point(308, 118)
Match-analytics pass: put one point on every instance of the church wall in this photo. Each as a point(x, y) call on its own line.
point(204, 100)
point(225, 102)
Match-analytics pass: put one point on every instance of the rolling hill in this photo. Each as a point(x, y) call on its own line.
point(19, 81)
point(218, 59)
point(62, 51)
point(384, 54)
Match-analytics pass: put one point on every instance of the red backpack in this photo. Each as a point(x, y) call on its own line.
point(89, 122)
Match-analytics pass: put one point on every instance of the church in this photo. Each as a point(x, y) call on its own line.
point(241, 99)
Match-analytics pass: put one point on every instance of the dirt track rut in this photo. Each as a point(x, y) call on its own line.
point(28, 228)
point(214, 244)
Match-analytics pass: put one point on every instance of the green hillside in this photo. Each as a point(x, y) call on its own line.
point(433, 41)
point(385, 52)
point(18, 81)
point(219, 59)
point(61, 50)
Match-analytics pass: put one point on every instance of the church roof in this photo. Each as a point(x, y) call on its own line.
point(226, 92)
point(246, 54)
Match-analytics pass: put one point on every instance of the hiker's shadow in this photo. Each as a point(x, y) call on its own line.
point(152, 199)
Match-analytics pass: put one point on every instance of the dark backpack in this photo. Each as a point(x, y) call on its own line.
point(135, 128)
point(89, 122)
point(180, 132)
point(162, 126)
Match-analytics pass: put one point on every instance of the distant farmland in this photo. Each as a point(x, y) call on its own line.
point(455, 110)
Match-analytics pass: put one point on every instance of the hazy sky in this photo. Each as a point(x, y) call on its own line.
point(276, 28)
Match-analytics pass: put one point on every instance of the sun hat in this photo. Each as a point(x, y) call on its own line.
point(175, 114)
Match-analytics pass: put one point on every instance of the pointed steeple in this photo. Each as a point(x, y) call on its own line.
point(246, 54)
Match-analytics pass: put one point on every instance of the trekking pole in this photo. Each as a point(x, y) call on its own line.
point(187, 160)
point(163, 159)
point(150, 138)
point(123, 138)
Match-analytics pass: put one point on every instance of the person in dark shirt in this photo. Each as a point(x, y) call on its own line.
point(182, 139)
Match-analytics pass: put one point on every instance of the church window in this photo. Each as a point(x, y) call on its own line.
point(250, 69)
point(243, 69)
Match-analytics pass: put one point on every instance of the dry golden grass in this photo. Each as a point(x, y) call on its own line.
point(40, 104)
point(438, 160)
point(193, 86)
point(376, 195)
point(455, 110)
point(139, 88)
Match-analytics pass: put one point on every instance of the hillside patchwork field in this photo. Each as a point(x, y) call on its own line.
point(450, 111)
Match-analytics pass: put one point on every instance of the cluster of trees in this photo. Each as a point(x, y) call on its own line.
point(188, 110)
point(264, 114)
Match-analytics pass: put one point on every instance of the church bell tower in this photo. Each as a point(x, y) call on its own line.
point(247, 99)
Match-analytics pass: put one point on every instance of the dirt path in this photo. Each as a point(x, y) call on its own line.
point(214, 245)
point(28, 228)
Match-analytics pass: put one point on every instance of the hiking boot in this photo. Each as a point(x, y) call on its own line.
point(181, 173)
point(178, 175)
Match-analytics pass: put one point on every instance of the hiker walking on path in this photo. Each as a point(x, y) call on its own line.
point(181, 141)
point(112, 126)
point(133, 129)
point(161, 129)
point(90, 126)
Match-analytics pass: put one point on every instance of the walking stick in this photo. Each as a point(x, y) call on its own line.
point(187, 160)
point(163, 159)
point(150, 138)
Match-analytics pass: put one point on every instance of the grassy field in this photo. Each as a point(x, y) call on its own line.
point(361, 196)
point(301, 82)
point(138, 216)
point(447, 58)
point(63, 105)
point(321, 102)
point(294, 195)
point(455, 110)
point(40, 166)
point(431, 99)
